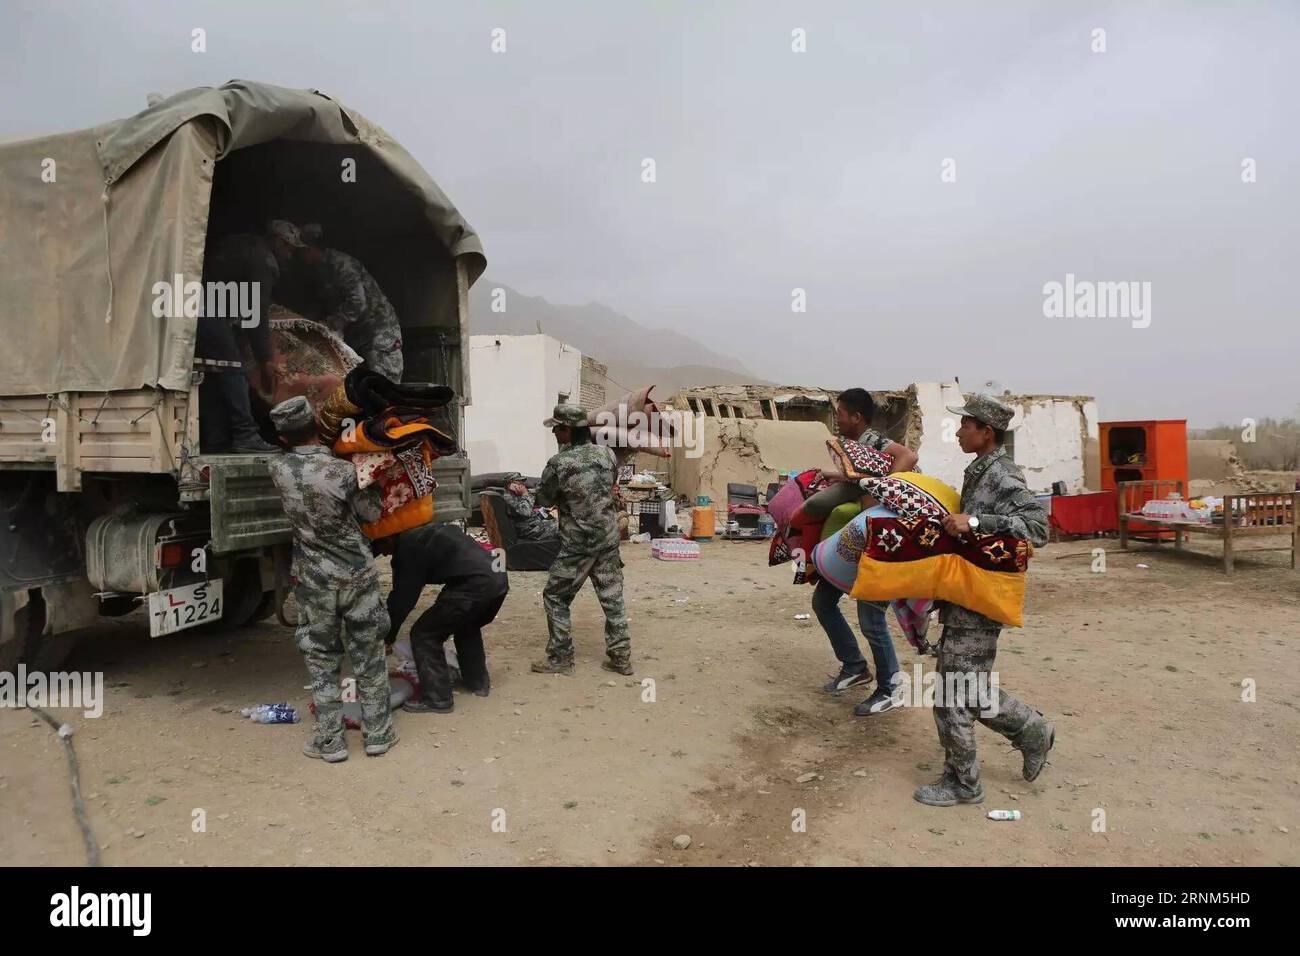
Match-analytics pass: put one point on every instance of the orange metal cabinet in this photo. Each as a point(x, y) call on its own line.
point(1143, 451)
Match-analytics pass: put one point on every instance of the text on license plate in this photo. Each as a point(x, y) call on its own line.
point(179, 608)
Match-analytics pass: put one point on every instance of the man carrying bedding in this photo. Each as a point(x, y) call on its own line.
point(994, 498)
point(853, 413)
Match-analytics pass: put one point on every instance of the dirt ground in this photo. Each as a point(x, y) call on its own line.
point(1141, 668)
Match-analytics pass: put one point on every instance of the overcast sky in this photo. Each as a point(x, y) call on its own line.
point(818, 170)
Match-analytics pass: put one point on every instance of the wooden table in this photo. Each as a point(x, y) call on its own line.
point(1244, 515)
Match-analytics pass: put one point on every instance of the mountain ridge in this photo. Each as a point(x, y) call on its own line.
point(634, 354)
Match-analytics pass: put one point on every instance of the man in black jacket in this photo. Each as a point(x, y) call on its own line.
point(473, 591)
point(225, 413)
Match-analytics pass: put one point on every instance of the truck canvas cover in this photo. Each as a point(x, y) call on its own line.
point(91, 220)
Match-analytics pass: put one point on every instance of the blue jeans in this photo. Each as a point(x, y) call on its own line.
point(871, 618)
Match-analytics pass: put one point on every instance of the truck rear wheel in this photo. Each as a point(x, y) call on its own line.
point(49, 652)
point(246, 602)
point(265, 608)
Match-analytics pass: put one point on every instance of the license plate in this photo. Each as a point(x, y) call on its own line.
point(179, 608)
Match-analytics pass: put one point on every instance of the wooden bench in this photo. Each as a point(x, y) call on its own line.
point(1244, 515)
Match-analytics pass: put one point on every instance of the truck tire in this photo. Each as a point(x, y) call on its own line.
point(49, 652)
point(244, 596)
point(264, 609)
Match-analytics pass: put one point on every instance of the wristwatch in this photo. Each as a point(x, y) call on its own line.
point(974, 523)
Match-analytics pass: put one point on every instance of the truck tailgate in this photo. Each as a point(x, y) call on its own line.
point(245, 507)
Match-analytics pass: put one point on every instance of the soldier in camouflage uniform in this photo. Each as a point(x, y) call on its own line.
point(351, 303)
point(340, 605)
point(994, 498)
point(528, 524)
point(580, 482)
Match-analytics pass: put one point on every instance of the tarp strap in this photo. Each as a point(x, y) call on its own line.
point(108, 259)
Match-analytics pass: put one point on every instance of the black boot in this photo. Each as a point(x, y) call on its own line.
point(245, 438)
point(422, 705)
point(435, 675)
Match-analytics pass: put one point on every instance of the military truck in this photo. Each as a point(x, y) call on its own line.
point(108, 502)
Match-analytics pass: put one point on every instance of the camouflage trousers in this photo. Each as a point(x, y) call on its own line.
point(382, 348)
point(351, 620)
point(969, 652)
point(605, 568)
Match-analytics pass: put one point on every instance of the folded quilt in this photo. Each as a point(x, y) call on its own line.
point(902, 552)
point(984, 573)
point(371, 465)
point(372, 392)
point(855, 460)
point(835, 560)
point(314, 360)
point(406, 485)
point(397, 453)
point(782, 507)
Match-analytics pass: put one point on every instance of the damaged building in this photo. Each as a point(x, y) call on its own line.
point(751, 433)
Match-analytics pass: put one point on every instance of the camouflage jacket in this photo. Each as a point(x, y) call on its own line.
point(994, 491)
point(873, 439)
point(579, 481)
point(323, 504)
point(529, 525)
point(353, 304)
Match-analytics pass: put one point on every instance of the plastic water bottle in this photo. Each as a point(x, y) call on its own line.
point(675, 549)
point(1004, 814)
point(277, 714)
point(280, 713)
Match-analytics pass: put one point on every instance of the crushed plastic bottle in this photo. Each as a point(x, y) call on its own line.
point(280, 713)
point(1004, 814)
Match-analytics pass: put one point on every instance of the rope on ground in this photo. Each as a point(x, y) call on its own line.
point(74, 776)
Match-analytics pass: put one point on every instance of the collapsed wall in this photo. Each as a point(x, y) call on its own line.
point(1212, 459)
point(748, 451)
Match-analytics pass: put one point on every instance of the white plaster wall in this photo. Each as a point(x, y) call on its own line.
point(516, 384)
point(1050, 440)
point(1050, 444)
point(936, 457)
point(563, 374)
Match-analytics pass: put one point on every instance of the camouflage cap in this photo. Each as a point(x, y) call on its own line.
point(987, 410)
point(293, 415)
point(284, 230)
point(570, 415)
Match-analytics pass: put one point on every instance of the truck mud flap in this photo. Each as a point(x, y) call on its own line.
point(39, 537)
point(244, 505)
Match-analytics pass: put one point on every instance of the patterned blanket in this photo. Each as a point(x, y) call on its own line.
point(314, 359)
point(383, 427)
point(908, 554)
